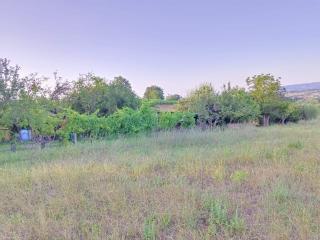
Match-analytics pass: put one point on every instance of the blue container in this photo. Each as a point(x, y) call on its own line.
point(25, 135)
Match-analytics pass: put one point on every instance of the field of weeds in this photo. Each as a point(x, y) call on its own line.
point(244, 183)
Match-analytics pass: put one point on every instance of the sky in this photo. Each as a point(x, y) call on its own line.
point(175, 44)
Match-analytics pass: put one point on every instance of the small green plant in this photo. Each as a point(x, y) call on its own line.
point(300, 167)
point(165, 221)
point(219, 220)
point(218, 213)
point(236, 224)
point(149, 229)
point(281, 193)
point(295, 145)
point(219, 173)
point(170, 120)
point(239, 176)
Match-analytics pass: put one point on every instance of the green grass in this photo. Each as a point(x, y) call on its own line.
point(246, 183)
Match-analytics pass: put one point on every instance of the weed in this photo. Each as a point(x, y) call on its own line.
point(165, 221)
point(218, 213)
point(149, 229)
point(239, 176)
point(103, 189)
point(295, 145)
point(281, 193)
point(219, 173)
point(236, 224)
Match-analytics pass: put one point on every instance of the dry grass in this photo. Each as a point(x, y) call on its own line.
point(247, 183)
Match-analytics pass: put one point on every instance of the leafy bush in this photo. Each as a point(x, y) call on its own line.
point(219, 219)
point(168, 120)
point(129, 121)
point(238, 106)
point(27, 114)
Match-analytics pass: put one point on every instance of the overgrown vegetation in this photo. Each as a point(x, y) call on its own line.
point(246, 183)
point(93, 107)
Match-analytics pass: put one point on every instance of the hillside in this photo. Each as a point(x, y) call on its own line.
point(303, 91)
point(304, 95)
point(302, 87)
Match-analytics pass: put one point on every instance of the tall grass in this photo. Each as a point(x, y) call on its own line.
point(246, 183)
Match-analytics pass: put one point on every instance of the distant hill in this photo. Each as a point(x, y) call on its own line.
point(303, 91)
point(302, 87)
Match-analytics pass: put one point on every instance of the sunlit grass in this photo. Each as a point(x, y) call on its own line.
point(247, 183)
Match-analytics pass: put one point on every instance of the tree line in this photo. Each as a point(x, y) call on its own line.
point(94, 107)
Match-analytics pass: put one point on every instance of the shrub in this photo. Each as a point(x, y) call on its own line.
point(219, 219)
point(239, 176)
point(31, 115)
point(168, 120)
point(129, 121)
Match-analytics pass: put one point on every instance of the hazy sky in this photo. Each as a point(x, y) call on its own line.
point(176, 44)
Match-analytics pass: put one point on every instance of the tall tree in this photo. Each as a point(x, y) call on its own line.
point(10, 82)
point(61, 88)
point(94, 94)
point(153, 92)
point(119, 95)
point(238, 106)
point(88, 93)
point(266, 90)
point(204, 102)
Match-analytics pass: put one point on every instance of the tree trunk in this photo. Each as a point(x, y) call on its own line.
point(266, 120)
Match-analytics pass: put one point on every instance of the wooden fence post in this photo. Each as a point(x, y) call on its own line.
point(74, 138)
point(43, 144)
point(13, 147)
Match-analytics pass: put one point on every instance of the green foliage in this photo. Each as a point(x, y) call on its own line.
point(266, 90)
point(296, 145)
point(281, 193)
point(92, 93)
point(168, 120)
point(232, 105)
point(239, 176)
point(219, 219)
point(84, 125)
point(28, 114)
point(203, 101)
point(10, 83)
point(153, 92)
point(124, 121)
point(93, 107)
point(165, 221)
point(149, 229)
point(264, 87)
point(236, 224)
point(129, 121)
point(218, 214)
point(238, 106)
point(283, 110)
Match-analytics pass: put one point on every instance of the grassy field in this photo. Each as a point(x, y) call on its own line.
point(244, 183)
